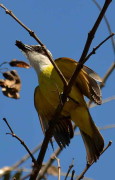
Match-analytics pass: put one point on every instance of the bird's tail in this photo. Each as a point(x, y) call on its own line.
point(63, 131)
point(93, 140)
point(94, 146)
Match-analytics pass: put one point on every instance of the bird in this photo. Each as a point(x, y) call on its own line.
point(48, 93)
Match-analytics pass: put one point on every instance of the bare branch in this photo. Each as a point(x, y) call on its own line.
point(89, 40)
point(20, 140)
point(48, 164)
point(3, 63)
point(108, 25)
point(38, 40)
point(107, 127)
point(104, 101)
point(59, 168)
point(89, 165)
point(97, 47)
point(110, 70)
point(72, 176)
point(69, 169)
point(4, 119)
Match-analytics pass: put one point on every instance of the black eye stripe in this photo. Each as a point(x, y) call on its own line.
point(38, 49)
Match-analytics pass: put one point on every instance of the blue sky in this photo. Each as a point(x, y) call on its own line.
point(62, 26)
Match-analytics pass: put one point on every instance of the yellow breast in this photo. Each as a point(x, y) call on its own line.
point(52, 87)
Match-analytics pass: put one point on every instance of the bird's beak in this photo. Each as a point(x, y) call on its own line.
point(22, 46)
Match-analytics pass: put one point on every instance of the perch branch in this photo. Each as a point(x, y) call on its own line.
point(54, 120)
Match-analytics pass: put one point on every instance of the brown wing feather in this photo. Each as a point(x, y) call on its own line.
point(86, 79)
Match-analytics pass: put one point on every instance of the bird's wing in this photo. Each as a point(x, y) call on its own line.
point(40, 108)
point(63, 130)
point(86, 79)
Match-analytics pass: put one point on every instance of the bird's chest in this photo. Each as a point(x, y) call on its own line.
point(51, 85)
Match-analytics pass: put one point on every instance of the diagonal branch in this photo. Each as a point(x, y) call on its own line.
point(109, 71)
point(32, 33)
point(69, 169)
point(54, 120)
point(20, 140)
point(89, 165)
point(103, 102)
point(108, 25)
point(90, 37)
point(99, 45)
point(49, 163)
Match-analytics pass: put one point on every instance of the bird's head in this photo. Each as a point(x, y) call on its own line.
point(35, 54)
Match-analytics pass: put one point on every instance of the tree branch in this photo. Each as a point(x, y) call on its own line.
point(69, 169)
point(59, 168)
point(48, 164)
point(54, 120)
point(108, 25)
point(89, 165)
point(109, 71)
point(20, 140)
point(32, 33)
point(99, 45)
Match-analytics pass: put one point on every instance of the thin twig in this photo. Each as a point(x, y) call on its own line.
point(69, 169)
point(32, 34)
point(3, 63)
point(89, 40)
point(97, 47)
point(22, 160)
point(59, 168)
point(26, 176)
point(107, 127)
point(109, 71)
point(20, 140)
point(72, 176)
point(110, 126)
point(4, 119)
point(48, 164)
point(108, 25)
point(89, 165)
point(51, 160)
point(26, 157)
point(104, 101)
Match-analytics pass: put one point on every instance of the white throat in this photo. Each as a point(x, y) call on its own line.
point(38, 61)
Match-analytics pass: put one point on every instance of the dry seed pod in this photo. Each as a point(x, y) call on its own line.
point(11, 85)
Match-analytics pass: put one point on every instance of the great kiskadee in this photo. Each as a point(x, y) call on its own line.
point(47, 97)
